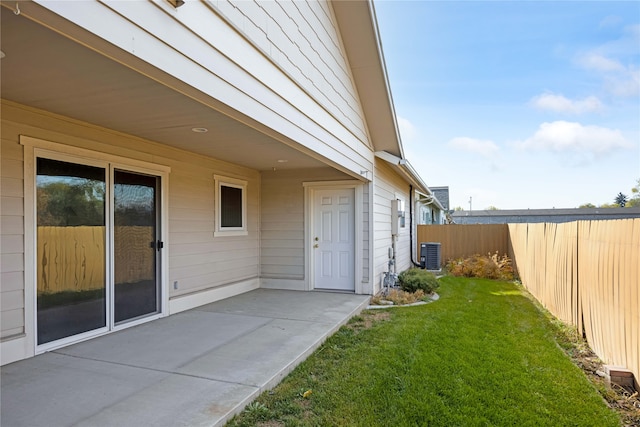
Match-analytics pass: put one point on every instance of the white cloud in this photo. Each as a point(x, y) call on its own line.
point(616, 61)
point(598, 62)
point(610, 21)
point(484, 147)
point(626, 84)
point(562, 136)
point(560, 104)
point(408, 131)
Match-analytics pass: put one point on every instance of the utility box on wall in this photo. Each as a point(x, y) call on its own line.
point(430, 255)
point(397, 215)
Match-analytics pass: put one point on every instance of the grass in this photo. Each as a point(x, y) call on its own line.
point(483, 355)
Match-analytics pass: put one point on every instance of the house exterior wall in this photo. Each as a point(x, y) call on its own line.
point(388, 186)
point(198, 261)
point(265, 62)
point(11, 233)
point(429, 214)
point(283, 227)
point(303, 39)
point(276, 67)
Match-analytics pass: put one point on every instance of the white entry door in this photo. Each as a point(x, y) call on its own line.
point(333, 239)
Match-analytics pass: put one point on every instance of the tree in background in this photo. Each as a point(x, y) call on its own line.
point(492, 208)
point(635, 195)
point(621, 200)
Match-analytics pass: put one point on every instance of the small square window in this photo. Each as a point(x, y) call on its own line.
point(231, 207)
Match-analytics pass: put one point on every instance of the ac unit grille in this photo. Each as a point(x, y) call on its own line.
point(430, 255)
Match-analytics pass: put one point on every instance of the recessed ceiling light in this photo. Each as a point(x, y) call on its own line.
point(283, 161)
point(200, 130)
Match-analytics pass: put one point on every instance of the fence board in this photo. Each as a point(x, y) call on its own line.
point(609, 275)
point(460, 240)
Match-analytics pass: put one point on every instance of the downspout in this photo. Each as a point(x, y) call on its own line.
point(411, 227)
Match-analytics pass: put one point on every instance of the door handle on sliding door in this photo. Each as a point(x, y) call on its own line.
point(157, 245)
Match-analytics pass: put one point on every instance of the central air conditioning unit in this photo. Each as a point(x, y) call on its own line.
point(430, 255)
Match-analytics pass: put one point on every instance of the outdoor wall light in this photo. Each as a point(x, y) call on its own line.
point(176, 3)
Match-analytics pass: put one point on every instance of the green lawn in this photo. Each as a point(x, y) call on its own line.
point(483, 355)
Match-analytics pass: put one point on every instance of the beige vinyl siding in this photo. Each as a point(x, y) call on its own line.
point(11, 234)
point(197, 260)
point(282, 220)
point(388, 184)
point(302, 38)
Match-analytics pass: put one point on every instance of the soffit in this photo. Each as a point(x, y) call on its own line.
point(45, 70)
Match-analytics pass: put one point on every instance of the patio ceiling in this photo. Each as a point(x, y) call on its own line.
point(46, 70)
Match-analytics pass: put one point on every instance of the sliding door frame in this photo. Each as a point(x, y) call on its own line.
point(34, 148)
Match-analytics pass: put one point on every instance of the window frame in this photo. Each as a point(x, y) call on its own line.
point(224, 181)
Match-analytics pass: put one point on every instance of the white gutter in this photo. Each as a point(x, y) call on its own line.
point(410, 173)
point(430, 199)
point(406, 169)
point(388, 157)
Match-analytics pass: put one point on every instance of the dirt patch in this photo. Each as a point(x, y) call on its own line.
point(367, 319)
point(398, 297)
point(625, 401)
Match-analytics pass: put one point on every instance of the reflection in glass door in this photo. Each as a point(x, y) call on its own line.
point(136, 247)
point(71, 284)
point(97, 249)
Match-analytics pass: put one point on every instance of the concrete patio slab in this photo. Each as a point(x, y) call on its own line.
point(167, 343)
point(261, 356)
point(196, 368)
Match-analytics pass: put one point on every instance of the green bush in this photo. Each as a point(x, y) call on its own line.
point(416, 279)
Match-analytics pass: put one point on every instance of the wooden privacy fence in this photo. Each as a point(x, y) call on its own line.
point(459, 240)
point(73, 258)
point(586, 273)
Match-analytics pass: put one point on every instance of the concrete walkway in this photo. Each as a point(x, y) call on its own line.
point(195, 368)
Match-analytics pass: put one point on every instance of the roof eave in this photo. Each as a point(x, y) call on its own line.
point(361, 38)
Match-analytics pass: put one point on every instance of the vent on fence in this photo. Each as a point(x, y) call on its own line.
point(430, 255)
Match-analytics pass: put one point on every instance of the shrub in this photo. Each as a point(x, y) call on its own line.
point(490, 266)
point(416, 279)
point(399, 297)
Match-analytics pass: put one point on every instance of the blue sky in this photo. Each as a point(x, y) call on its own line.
point(517, 104)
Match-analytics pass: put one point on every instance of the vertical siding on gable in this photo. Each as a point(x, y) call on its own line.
point(302, 38)
point(11, 233)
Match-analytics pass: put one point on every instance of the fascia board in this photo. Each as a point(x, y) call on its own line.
point(361, 38)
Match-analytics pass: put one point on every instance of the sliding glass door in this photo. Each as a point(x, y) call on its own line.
point(136, 291)
point(71, 252)
point(98, 246)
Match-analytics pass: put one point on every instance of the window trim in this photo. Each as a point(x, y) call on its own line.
point(224, 181)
